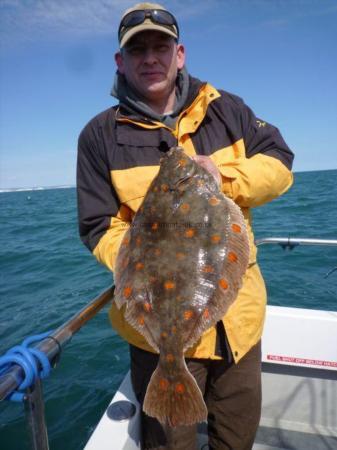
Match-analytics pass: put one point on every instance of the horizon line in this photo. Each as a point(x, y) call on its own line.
point(70, 186)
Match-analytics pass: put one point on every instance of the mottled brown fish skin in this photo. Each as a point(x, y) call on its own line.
point(179, 268)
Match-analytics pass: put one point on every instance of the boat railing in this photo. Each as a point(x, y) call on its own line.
point(51, 345)
point(290, 243)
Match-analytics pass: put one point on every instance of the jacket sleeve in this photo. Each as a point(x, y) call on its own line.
point(102, 221)
point(263, 171)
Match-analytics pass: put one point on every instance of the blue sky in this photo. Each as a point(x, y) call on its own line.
point(57, 67)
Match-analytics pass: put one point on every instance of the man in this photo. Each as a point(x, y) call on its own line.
point(161, 106)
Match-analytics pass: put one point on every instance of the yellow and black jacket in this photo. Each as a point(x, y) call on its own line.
point(118, 157)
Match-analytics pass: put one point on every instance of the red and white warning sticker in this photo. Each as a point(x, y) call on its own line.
point(295, 360)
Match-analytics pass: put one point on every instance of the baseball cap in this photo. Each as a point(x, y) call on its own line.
point(146, 16)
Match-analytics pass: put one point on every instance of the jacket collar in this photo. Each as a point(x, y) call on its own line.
point(134, 109)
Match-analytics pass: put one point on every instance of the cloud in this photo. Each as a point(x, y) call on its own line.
point(31, 20)
point(58, 19)
point(35, 19)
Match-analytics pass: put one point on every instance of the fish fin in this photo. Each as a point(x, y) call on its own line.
point(121, 273)
point(119, 299)
point(230, 279)
point(141, 319)
point(138, 304)
point(238, 245)
point(174, 401)
point(235, 263)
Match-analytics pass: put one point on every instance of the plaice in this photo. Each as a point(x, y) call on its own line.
point(178, 270)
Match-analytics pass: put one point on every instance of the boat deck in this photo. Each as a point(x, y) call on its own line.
point(299, 388)
point(275, 433)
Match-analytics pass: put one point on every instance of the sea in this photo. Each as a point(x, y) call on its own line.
point(47, 275)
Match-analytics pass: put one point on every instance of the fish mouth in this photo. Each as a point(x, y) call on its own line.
point(186, 178)
point(182, 181)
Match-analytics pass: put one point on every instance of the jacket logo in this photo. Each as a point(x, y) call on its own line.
point(260, 123)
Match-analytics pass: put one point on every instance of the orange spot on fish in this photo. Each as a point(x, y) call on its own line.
point(154, 226)
point(163, 384)
point(155, 189)
point(174, 329)
point(138, 241)
point(147, 307)
point(180, 255)
point(236, 228)
point(141, 320)
point(185, 207)
point(182, 162)
point(157, 251)
point(232, 257)
point(125, 241)
point(190, 232)
point(188, 314)
point(169, 358)
point(207, 269)
point(127, 291)
point(168, 285)
point(164, 335)
point(223, 283)
point(180, 388)
point(213, 201)
point(164, 187)
point(139, 266)
point(206, 313)
point(152, 279)
point(216, 238)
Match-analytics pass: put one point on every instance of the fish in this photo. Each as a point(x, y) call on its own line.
point(179, 268)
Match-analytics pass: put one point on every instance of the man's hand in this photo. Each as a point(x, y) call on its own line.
point(208, 164)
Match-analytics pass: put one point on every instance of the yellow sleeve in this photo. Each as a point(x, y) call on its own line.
point(254, 181)
point(106, 250)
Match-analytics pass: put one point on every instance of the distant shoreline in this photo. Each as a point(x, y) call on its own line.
point(36, 188)
point(69, 186)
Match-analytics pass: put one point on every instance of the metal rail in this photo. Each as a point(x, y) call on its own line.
point(290, 242)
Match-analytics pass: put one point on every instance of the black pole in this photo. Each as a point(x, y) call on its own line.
point(35, 417)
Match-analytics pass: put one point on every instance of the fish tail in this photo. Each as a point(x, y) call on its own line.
point(174, 401)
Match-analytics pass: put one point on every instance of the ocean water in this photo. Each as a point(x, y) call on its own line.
point(47, 275)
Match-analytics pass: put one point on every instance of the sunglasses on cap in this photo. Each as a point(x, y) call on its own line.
point(158, 16)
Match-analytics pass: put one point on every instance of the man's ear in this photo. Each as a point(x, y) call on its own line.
point(180, 56)
point(119, 62)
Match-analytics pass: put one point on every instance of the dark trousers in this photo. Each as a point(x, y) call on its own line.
point(232, 393)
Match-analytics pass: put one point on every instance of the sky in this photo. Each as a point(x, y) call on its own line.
point(57, 68)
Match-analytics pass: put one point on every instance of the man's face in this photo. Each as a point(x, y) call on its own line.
point(150, 61)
